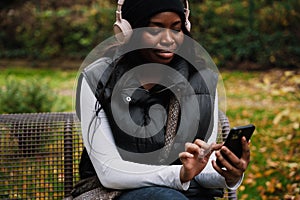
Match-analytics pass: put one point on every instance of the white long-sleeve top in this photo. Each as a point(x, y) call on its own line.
point(116, 173)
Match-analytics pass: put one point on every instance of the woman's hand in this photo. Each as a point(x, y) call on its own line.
point(233, 170)
point(195, 158)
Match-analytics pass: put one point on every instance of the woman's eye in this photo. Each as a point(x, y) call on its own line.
point(154, 31)
point(176, 30)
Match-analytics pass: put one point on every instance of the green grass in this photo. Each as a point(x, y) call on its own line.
point(270, 100)
point(63, 83)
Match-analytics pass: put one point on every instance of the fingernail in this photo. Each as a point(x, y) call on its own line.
point(190, 155)
point(224, 149)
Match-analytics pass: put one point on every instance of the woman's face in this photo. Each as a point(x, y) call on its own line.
point(163, 36)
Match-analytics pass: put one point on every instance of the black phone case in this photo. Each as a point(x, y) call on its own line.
point(233, 141)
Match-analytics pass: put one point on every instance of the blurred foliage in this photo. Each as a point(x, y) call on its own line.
point(269, 100)
point(233, 31)
point(52, 30)
point(52, 85)
point(30, 96)
point(263, 32)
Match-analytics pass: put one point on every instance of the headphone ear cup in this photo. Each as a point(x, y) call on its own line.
point(122, 30)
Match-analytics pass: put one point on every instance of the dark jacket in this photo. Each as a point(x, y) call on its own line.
point(131, 101)
point(123, 98)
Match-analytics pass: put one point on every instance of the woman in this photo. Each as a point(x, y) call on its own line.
point(150, 87)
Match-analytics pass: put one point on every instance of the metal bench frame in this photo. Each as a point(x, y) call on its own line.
point(40, 152)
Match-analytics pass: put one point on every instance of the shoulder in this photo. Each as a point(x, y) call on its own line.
point(97, 68)
point(204, 80)
point(97, 72)
point(92, 75)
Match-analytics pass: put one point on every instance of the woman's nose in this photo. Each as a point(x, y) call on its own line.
point(167, 38)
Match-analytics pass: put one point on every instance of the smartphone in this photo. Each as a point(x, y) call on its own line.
point(233, 141)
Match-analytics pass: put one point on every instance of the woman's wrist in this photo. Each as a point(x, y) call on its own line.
point(234, 185)
point(232, 182)
point(184, 177)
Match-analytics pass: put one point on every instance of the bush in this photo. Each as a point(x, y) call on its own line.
point(54, 32)
point(26, 96)
point(265, 32)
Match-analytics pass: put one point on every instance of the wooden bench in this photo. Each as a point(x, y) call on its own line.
point(40, 154)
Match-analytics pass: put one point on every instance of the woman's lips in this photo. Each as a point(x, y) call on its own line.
point(164, 54)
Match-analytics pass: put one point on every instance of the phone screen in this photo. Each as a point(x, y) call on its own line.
point(233, 141)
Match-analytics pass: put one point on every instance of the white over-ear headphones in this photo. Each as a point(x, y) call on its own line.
point(122, 27)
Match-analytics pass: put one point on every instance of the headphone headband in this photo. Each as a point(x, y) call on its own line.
point(119, 10)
